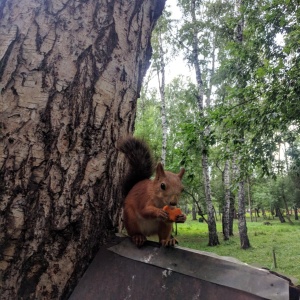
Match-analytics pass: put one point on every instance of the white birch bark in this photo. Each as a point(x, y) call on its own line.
point(226, 216)
point(213, 237)
point(244, 240)
point(249, 199)
point(161, 82)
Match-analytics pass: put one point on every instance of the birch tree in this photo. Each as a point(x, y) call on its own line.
point(242, 225)
point(191, 33)
point(161, 73)
point(70, 74)
point(162, 51)
point(226, 207)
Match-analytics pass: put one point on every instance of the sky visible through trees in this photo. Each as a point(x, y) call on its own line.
point(177, 66)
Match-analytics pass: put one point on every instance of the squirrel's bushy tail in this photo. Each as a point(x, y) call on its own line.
point(140, 160)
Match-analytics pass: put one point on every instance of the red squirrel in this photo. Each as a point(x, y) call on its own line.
point(145, 198)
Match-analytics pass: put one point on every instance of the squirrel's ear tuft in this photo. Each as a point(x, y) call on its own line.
point(181, 173)
point(159, 171)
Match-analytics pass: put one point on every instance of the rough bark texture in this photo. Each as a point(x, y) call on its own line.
point(70, 74)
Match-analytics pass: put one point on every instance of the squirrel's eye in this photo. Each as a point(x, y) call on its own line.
point(163, 186)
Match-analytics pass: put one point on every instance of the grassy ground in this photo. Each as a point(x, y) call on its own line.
point(283, 238)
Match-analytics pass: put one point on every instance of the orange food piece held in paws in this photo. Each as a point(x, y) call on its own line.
point(173, 212)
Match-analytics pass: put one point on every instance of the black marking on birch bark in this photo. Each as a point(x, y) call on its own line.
point(122, 96)
point(2, 6)
point(15, 92)
point(159, 6)
point(2, 186)
point(135, 13)
point(131, 120)
point(65, 5)
point(38, 38)
point(47, 68)
point(103, 56)
point(76, 185)
point(109, 15)
point(83, 63)
point(5, 58)
point(59, 240)
point(123, 75)
point(33, 184)
point(32, 270)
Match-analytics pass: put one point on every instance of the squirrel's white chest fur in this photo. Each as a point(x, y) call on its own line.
point(148, 226)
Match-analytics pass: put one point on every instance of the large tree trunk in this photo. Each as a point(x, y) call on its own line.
point(70, 74)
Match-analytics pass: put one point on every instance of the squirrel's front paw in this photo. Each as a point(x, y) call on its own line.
point(169, 242)
point(180, 218)
point(163, 215)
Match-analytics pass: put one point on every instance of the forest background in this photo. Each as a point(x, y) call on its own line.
point(232, 117)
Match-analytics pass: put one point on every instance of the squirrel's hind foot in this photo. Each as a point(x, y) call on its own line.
point(139, 239)
point(169, 242)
